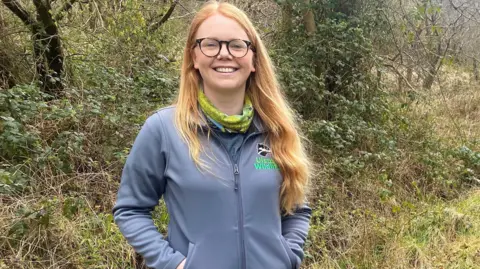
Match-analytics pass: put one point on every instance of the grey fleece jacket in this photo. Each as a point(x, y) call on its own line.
point(227, 218)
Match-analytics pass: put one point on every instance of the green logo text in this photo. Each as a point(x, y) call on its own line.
point(265, 163)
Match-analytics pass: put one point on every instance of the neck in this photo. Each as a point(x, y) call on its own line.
point(228, 102)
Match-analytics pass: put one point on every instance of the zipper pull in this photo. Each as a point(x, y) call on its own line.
point(236, 172)
point(235, 169)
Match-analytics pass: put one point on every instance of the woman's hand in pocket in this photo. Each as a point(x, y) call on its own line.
point(182, 264)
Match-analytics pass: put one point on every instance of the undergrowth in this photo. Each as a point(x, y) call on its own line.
point(396, 178)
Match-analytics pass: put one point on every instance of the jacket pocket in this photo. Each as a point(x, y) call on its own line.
point(190, 252)
point(290, 254)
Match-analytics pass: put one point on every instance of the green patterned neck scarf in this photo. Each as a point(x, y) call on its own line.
point(224, 122)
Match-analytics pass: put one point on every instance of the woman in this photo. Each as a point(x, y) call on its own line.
point(227, 160)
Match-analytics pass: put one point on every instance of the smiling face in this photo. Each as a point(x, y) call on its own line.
point(223, 73)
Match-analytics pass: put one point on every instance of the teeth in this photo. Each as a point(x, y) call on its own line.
point(225, 70)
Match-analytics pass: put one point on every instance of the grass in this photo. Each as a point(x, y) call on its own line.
point(440, 235)
point(401, 209)
point(389, 215)
point(454, 106)
point(65, 232)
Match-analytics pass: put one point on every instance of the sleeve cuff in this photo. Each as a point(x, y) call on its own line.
point(175, 261)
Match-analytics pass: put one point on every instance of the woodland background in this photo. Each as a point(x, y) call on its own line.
point(387, 92)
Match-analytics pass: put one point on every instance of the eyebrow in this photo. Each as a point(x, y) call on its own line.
point(213, 37)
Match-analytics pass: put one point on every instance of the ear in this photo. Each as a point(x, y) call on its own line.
point(194, 58)
point(254, 61)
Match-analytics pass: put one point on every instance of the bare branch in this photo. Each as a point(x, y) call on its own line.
point(155, 26)
point(64, 9)
point(186, 9)
point(43, 12)
point(18, 10)
point(399, 73)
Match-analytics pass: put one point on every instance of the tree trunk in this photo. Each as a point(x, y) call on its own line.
point(53, 52)
point(47, 47)
point(433, 68)
point(429, 78)
point(379, 76)
point(309, 20)
point(7, 80)
point(287, 11)
point(93, 15)
point(400, 82)
point(475, 69)
point(346, 7)
point(311, 27)
point(409, 75)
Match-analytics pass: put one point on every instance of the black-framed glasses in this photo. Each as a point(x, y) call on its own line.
point(210, 47)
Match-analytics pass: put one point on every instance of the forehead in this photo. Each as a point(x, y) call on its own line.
point(221, 27)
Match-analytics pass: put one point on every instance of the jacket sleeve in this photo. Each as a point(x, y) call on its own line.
point(295, 230)
point(142, 185)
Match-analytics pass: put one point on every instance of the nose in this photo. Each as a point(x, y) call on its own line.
point(224, 52)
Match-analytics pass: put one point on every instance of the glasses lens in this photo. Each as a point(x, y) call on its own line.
point(238, 48)
point(210, 47)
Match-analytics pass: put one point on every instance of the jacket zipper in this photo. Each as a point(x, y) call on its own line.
point(236, 172)
point(236, 175)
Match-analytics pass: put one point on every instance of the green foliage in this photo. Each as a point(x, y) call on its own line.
point(62, 133)
point(379, 160)
point(341, 55)
point(68, 225)
point(71, 207)
point(12, 182)
point(161, 217)
point(98, 234)
point(469, 169)
point(37, 217)
point(17, 106)
point(327, 79)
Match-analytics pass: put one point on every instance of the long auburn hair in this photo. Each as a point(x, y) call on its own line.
point(268, 101)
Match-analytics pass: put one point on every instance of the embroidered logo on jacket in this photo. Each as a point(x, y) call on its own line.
point(263, 162)
point(263, 149)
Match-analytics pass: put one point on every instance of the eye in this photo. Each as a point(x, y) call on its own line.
point(209, 43)
point(238, 44)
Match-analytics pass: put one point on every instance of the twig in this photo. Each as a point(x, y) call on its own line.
point(18, 10)
point(401, 75)
point(155, 26)
point(66, 7)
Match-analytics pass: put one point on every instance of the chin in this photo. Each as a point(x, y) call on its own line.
point(230, 87)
